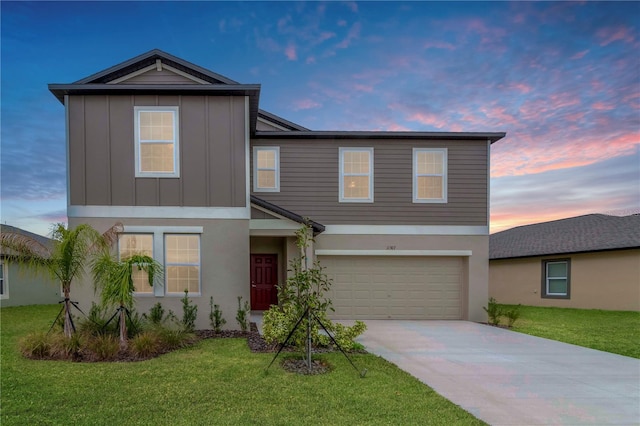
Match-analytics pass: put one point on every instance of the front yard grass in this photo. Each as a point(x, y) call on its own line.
point(216, 381)
point(610, 331)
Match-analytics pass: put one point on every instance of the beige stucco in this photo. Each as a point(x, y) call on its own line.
point(224, 246)
point(599, 280)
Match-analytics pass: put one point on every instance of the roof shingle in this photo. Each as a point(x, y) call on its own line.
point(592, 232)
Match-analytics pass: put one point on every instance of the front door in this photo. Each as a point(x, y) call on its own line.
point(264, 277)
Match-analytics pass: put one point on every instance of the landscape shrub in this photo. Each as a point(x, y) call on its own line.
point(512, 315)
point(242, 316)
point(66, 347)
point(35, 345)
point(494, 311)
point(104, 346)
point(145, 344)
point(189, 313)
point(215, 317)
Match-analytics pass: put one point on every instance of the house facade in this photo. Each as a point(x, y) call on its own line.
point(19, 286)
point(214, 188)
point(586, 262)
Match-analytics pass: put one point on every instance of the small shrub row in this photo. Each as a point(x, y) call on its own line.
point(495, 312)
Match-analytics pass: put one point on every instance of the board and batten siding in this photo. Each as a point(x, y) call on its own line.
point(309, 180)
point(211, 144)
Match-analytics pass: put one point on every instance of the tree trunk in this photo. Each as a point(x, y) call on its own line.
point(123, 327)
point(68, 324)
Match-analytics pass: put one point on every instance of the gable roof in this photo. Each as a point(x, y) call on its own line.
point(589, 233)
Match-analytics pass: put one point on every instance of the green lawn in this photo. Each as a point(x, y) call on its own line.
point(611, 331)
point(217, 381)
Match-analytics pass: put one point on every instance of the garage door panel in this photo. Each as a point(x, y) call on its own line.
point(368, 287)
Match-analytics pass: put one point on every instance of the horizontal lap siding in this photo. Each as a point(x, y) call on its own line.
point(101, 151)
point(309, 183)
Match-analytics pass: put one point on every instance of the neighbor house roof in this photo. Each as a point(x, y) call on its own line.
point(589, 233)
point(8, 229)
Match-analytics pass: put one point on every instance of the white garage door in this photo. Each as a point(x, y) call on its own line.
point(389, 287)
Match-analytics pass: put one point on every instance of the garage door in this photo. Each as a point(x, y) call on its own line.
point(383, 287)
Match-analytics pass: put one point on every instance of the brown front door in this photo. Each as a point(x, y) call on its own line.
point(264, 277)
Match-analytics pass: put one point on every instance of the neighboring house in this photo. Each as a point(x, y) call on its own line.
point(20, 286)
point(214, 188)
point(590, 262)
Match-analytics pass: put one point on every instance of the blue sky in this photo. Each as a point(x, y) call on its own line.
point(561, 78)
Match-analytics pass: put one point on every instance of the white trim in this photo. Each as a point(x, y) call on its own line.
point(270, 123)
point(5, 280)
point(158, 65)
point(184, 74)
point(275, 149)
point(488, 182)
point(167, 264)
point(176, 141)
point(134, 229)
point(159, 212)
point(269, 212)
point(158, 68)
point(405, 230)
point(341, 198)
point(247, 160)
point(67, 149)
point(445, 170)
point(394, 252)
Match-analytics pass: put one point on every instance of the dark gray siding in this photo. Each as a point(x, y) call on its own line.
point(309, 183)
point(159, 77)
point(212, 153)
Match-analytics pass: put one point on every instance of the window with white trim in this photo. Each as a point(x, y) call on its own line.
point(356, 175)
point(182, 263)
point(556, 278)
point(156, 141)
point(429, 175)
point(4, 294)
point(142, 244)
point(266, 169)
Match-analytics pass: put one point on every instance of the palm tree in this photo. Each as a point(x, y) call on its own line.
point(64, 260)
point(115, 279)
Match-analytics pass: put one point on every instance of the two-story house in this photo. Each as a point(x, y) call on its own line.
point(214, 188)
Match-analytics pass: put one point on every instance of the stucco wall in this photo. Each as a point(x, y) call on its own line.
point(603, 280)
point(23, 287)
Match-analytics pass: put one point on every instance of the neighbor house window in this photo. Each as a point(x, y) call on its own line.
point(182, 263)
point(4, 294)
point(156, 140)
point(556, 281)
point(266, 169)
point(142, 244)
point(356, 175)
point(429, 175)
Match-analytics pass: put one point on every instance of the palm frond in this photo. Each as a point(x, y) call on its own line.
point(25, 251)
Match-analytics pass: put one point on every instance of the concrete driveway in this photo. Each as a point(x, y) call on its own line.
point(509, 378)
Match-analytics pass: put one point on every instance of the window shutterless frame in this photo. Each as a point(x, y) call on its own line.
point(129, 244)
point(555, 274)
point(182, 264)
point(157, 141)
point(356, 171)
point(266, 169)
point(430, 175)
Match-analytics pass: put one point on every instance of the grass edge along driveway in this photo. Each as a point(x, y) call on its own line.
point(617, 332)
point(217, 381)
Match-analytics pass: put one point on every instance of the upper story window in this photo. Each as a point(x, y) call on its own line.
point(429, 175)
point(130, 244)
point(266, 169)
point(156, 140)
point(356, 175)
point(556, 278)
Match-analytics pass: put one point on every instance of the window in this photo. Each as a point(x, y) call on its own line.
point(182, 263)
point(266, 169)
point(556, 278)
point(4, 294)
point(130, 244)
point(356, 175)
point(156, 137)
point(429, 175)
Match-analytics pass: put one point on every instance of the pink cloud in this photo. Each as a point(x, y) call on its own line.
point(305, 104)
point(601, 106)
point(352, 5)
point(311, 60)
point(428, 119)
point(580, 55)
point(354, 33)
point(439, 45)
point(290, 52)
point(363, 88)
point(610, 34)
point(342, 23)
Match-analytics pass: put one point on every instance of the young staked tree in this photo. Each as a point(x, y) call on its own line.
point(115, 280)
point(64, 260)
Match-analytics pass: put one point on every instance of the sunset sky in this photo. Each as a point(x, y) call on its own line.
point(561, 78)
